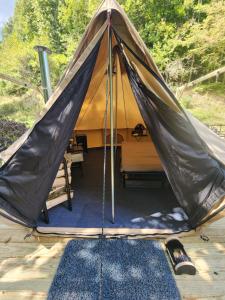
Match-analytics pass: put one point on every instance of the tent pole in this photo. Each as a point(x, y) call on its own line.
point(111, 117)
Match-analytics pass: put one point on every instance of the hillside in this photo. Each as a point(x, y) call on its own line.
point(186, 38)
point(206, 102)
point(23, 109)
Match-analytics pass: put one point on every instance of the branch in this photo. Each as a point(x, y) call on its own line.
point(215, 73)
point(19, 82)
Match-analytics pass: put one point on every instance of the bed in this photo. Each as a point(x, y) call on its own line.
point(140, 162)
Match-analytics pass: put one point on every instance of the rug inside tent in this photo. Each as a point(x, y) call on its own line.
point(154, 208)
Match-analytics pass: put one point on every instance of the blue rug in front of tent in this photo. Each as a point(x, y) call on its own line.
point(113, 269)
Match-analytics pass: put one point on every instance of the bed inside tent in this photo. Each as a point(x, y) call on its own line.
point(144, 199)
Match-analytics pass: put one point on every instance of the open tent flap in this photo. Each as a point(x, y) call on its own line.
point(26, 178)
point(196, 178)
point(140, 95)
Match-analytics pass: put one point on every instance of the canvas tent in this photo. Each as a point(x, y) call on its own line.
point(193, 157)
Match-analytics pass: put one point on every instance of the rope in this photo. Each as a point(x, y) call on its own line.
point(104, 190)
point(124, 105)
point(116, 109)
point(102, 237)
point(105, 159)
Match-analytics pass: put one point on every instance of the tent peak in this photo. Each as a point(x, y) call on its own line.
point(109, 4)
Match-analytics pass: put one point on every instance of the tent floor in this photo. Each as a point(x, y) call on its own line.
point(135, 208)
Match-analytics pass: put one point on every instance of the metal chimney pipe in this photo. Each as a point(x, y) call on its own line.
point(45, 72)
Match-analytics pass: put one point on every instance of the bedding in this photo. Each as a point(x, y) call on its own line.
point(139, 157)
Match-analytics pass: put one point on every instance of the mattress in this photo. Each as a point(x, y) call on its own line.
point(139, 157)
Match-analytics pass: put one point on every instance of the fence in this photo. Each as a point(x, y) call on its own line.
point(218, 129)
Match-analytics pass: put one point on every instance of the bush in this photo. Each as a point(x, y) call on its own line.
point(10, 131)
point(24, 109)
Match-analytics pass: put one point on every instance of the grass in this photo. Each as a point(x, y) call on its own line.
point(216, 88)
point(21, 109)
point(206, 102)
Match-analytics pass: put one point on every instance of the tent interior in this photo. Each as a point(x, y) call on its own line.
point(146, 204)
point(147, 201)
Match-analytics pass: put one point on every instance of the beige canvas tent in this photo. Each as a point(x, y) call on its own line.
point(111, 85)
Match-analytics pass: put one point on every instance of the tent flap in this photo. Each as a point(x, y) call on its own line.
point(198, 180)
point(27, 177)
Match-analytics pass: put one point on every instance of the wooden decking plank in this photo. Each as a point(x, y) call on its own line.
point(30, 250)
point(191, 289)
point(8, 249)
point(15, 235)
point(22, 295)
point(32, 285)
point(27, 266)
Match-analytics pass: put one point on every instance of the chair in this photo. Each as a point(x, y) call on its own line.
point(81, 140)
point(61, 189)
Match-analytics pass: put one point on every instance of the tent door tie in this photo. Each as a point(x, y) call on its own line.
point(28, 235)
point(204, 237)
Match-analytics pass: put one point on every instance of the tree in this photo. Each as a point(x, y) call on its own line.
point(186, 36)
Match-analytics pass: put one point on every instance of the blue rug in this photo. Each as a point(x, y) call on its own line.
point(130, 270)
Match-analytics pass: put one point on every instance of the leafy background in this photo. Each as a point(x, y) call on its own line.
point(185, 37)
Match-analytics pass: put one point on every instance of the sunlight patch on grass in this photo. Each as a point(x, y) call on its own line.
point(207, 107)
point(216, 88)
point(21, 109)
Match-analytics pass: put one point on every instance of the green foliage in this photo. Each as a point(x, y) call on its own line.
point(8, 28)
point(201, 45)
point(10, 131)
point(185, 37)
point(186, 102)
point(21, 109)
point(206, 102)
point(216, 88)
point(187, 33)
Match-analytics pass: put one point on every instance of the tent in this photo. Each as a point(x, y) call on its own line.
point(112, 62)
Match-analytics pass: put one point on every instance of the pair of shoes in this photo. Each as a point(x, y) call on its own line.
point(181, 262)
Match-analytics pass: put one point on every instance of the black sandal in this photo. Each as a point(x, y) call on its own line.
point(181, 262)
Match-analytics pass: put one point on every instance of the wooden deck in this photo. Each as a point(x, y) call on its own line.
point(28, 266)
